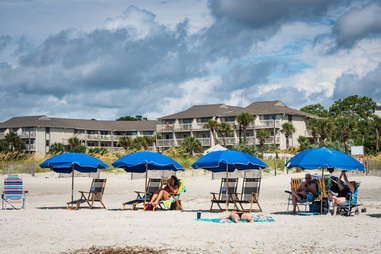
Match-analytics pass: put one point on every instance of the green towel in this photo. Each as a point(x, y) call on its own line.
point(257, 218)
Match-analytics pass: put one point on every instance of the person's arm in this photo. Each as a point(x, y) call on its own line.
point(341, 187)
point(351, 187)
point(301, 187)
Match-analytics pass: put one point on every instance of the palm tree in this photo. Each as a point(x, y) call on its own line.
point(14, 142)
point(312, 125)
point(324, 129)
point(225, 130)
point(262, 135)
point(191, 145)
point(345, 126)
point(56, 148)
point(376, 121)
point(212, 125)
point(140, 142)
point(287, 129)
point(73, 142)
point(125, 142)
point(244, 119)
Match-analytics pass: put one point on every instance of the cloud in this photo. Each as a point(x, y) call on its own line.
point(260, 13)
point(357, 24)
point(351, 84)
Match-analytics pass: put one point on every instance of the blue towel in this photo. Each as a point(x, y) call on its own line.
point(257, 218)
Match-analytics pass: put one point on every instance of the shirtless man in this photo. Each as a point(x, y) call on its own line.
point(303, 190)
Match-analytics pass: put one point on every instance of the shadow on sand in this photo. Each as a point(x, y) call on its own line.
point(374, 215)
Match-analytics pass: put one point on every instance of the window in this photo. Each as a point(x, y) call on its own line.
point(14, 129)
point(47, 143)
point(290, 118)
point(132, 133)
point(188, 120)
point(269, 117)
point(2, 130)
point(47, 130)
point(169, 121)
point(105, 132)
point(229, 119)
point(203, 119)
point(92, 132)
point(147, 133)
point(76, 131)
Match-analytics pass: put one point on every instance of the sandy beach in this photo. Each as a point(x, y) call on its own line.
point(45, 226)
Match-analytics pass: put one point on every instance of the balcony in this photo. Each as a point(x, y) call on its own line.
point(31, 147)
point(165, 142)
point(180, 127)
point(93, 136)
point(267, 124)
point(228, 141)
point(28, 134)
point(204, 141)
point(106, 137)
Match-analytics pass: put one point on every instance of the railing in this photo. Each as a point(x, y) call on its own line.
point(165, 142)
point(204, 141)
point(267, 124)
point(31, 147)
point(93, 136)
point(180, 127)
point(31, 134)
point(228, 141)
point(2, 135)
point(106, 137)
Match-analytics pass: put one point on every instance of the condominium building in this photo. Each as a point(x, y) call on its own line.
point(40, 132)
point(269, 115)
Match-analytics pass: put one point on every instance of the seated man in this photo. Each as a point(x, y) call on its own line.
point(307, 186)
point(237, 216)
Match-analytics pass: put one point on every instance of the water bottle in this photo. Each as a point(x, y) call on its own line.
point(198, 214)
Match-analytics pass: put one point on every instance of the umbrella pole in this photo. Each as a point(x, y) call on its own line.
point(72, 186)
point(145, 186)
point(227, 189)
point(322, 191)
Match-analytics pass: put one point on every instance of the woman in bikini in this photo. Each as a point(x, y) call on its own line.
point(343, 191)
point(171, 187)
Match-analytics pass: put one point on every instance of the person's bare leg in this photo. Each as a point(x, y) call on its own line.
point(162, 195)
point(235, 217)
point(247, 217)
point(335, 201)
point(295, 199)
point(154, 196)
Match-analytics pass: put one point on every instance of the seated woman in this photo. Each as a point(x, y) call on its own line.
point(237, 216)
point(307, 186)
point(343, 191)
point(171, 187)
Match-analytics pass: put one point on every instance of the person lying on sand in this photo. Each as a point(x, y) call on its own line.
point(307, 186)
point(237, 216)
point(164, 194)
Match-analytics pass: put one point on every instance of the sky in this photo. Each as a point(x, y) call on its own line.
point(104, 59)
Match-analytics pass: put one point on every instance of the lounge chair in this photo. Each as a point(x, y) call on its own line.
point(95, 194)
point(174, 202)
point(350, 206)
point(13, 192)
point(223, 196)
point(249, 194)
point(154, 184)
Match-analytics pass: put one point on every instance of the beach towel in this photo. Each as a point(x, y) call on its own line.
point(257, 218)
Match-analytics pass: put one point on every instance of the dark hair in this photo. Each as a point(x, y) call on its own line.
point(330, 170)
point(176, 180)
point(355, 184)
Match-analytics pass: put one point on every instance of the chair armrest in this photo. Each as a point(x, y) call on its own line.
point(139, 192)
point(84, 191)
point(214, 193)
point(288, 192)
point(26, 192)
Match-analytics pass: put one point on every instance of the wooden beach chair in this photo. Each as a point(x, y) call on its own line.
point(225, 195)
point(250, 194)
point(154, 184)
point(13, 192)
point(95, 194)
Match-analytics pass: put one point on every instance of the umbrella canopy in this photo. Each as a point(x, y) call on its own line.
point(320, 158)
point(66, 162)
point(221, 161)
point(139, 162)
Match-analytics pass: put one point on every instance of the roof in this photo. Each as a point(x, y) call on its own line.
point(51, 122)
point(210, 110)
point(275, 107)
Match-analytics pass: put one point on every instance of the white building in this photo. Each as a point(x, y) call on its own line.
point(268, 115)
point(39, 132)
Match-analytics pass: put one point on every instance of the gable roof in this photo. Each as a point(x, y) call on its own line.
point(51, 122)
point(275, 107)
point(210, 110)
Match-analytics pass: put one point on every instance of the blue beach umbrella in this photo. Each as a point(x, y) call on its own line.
point(228, 161)
point(68, 162)
point(141, 162)
point(321, 158)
